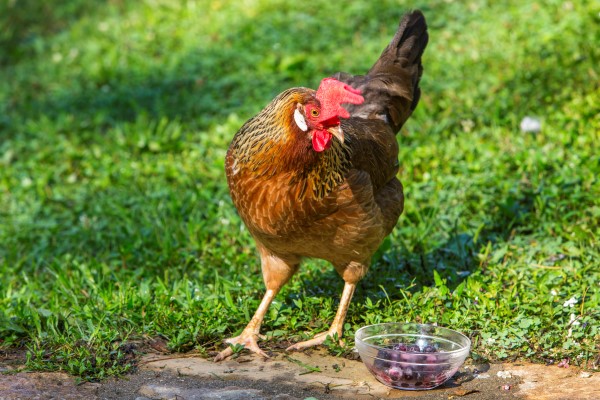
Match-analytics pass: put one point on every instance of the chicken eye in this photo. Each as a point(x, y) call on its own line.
point(314, 112)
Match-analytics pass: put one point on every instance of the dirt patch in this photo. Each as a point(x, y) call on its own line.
point(342, 378)
point(44, 385)
point(553, 383)
point(298, 376)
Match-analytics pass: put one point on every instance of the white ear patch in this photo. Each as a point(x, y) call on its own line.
point(300, 120)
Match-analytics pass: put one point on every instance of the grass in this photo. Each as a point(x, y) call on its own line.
point(115, 221)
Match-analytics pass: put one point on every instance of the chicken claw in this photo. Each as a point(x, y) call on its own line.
point(315, 341)
point(336, 328)
point(248, 340)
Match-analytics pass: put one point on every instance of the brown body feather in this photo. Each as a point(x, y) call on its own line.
point(339, 204)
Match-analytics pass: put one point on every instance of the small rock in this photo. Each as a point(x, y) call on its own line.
point(504, 374)
point(530, 124)
point(483, 376)
point(506, 387)
point(159, 392)
point(225, 394)
point(160, 345)
point(584, 374)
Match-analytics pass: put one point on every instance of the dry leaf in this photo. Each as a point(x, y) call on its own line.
point(462, 392)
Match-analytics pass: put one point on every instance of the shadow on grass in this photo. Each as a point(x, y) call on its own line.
point(210, 83)
point(396, 269)
point(25, 21)
point(248, 61)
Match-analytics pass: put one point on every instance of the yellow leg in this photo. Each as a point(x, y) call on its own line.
point(337, 325)
point(276, 272)
point(249, 335)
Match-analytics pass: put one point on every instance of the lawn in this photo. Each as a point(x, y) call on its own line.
point(116, 225)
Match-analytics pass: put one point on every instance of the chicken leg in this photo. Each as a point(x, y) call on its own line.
point(248, 336)
point(276, 273)
point(337, 325)
point(352, 273)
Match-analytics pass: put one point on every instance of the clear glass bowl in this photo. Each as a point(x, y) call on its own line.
point(411, 356)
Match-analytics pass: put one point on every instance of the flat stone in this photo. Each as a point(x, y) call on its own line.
point(165, 392)
point(297, 376)
point(504, 374)
point(160, 392)
point(542, 382)
point(230, 394)
point(350, 379)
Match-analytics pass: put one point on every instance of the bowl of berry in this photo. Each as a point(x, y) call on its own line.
point(411, 356)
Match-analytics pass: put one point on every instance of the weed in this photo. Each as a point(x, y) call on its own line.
point(115, 219)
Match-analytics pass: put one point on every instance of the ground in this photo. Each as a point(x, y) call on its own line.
point(292, 376)
point(116, 224)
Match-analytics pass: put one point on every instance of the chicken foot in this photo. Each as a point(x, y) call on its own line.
point(337, 324)
point(276, 273)
point(249, 335)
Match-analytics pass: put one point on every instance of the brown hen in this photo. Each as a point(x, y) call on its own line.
point(308, 184)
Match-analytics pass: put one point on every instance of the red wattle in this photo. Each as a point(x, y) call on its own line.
point(321, 140)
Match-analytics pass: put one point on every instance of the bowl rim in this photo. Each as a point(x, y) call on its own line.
point(462, 349)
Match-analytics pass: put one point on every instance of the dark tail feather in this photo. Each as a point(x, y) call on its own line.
point(407, 45)
point(391, 87)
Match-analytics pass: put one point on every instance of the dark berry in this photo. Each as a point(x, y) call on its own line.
point(429, 349)
point(400, 347)
point(430, 368)
point(395, 374)
point(430, 378)
point(431, 359)
point(439, 369)
point(421, 359)
point(408, 373)
point(383, 376)
point(394, 355)
point(384, 353)
point(381, 362)
point(413, 348)
point(407, 357)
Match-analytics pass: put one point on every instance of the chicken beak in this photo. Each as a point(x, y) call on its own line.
point(337, 132)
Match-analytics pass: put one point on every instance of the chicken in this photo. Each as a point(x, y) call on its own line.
point(313, 179)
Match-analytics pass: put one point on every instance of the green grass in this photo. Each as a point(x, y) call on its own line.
point(115, 221)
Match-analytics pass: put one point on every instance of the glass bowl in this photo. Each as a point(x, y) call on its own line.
point(411, 356)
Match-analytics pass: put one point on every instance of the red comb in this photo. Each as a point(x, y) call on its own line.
point(331, 94)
